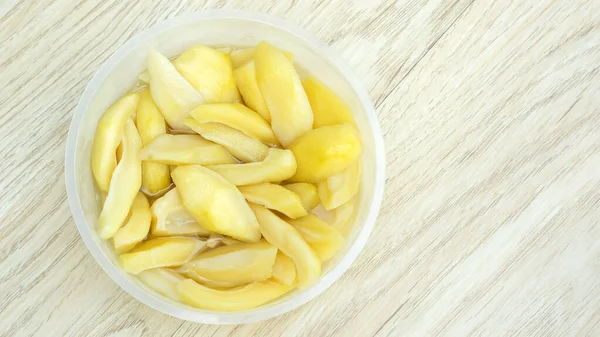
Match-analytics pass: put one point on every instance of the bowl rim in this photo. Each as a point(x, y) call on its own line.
point(216, 317)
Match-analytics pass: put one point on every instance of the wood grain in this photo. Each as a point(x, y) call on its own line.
point(491, 219)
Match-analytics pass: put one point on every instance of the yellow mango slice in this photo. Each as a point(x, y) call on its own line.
point(231, 266)
point(124, 184)
point(169, 217)
point(324, 239)
point(172, 93)
point(242, 147)
point(278, 165)
point(245, 297)
point(151, 124)
point(342, 217)
point(241, 56)
point(340, 187)
point(245, 79)
point(108, 136)
point(325, 151)
point(328, 108)
point(162, 280)
point(307, 193)
point(160, 252)
point(280, 86)
point(210, 73)
point(274, 197)
point(284, 269)
point(184, 150)
point(290, 241)
point(215, 203)
point(237, 116)
point(136, 228)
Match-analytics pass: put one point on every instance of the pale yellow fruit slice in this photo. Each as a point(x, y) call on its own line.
point(245, 297)
point(307, 192)
point(324, 239)
point(245, 79)
point(242, 147)
point(280, 86)
point(210, 73)
point(162, 280)
point(231, 266)
point(328, 108)
point(325, 151)
point(151, 124)
point(340, 187)
point(275, 197)
point(241, 56)
point(108, 136)
point(136, 228)
point(277, 166)
point(172, 93)
point(343, 217)
point(170, 218)
point(284, 269)
point(160, 252)
point(184, 150)
point(237, 116)
point(215, 203)
point(290, 241)
point(124, 184)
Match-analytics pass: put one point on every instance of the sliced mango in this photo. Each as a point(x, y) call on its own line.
point(342, 217)
point(169, 217)
point(162, 280)
point(277, 166)
point(284, 270)
point(340, 187)
point(172, 93)
point(241, 56)
point(185, 149)
point(108, 136)
point(290, 241)
point(244, 148)
point(124, 184)
point(224, 49)
point(328, 108)
point(307, 193)
point(274, 197)
point(210, 72)
point(136, 228)
point(160, 252)
point(237, 116)
point(231, 266)
point(245, 79)
point(280, 86)
point(245, 297)
point(215, 203)
point(151, 124)
point(322, 238)
point(325, 151)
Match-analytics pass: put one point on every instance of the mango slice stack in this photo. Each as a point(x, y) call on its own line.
point(228, 178)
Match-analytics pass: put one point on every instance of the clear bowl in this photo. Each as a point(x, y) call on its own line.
point(222, 27)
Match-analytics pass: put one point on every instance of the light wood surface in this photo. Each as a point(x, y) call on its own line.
point(490, 221)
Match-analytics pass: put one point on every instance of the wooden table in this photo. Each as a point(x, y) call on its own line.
point(490, 221)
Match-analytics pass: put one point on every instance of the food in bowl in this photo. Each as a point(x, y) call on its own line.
point(227, 180)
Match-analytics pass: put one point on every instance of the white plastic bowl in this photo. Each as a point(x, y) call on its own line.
point(172, 37)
